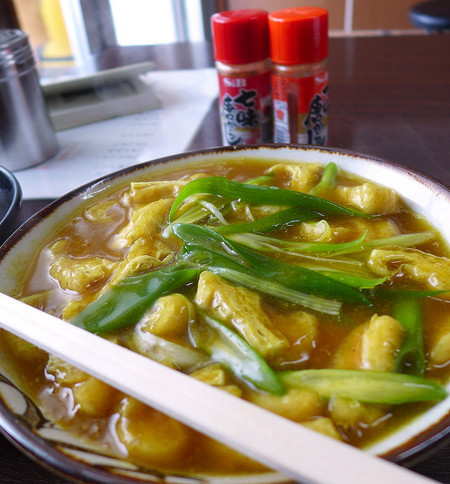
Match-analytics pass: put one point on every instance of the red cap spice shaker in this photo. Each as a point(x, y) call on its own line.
point(299, 51)
point(241, 50)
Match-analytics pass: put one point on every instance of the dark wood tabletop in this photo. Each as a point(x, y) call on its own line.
point(389, 97)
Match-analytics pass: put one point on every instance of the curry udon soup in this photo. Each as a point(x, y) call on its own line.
point(310, 292)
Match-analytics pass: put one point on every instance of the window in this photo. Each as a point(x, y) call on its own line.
point(144, 22)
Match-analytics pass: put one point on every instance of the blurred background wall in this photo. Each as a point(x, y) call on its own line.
point(348, 16)
point(65, 31)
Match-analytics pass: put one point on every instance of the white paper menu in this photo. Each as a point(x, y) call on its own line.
point(94, 150)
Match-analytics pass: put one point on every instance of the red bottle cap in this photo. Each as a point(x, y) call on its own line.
point(240, 36)
point(298, 35)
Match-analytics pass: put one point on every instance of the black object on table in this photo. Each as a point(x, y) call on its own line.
point(433, 16)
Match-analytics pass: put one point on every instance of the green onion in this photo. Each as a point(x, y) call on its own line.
point(365, 385)
point(262, 243)
point(289, 247)
point(226, 347)
point(126, 302)
point(270, 223)
point(274, 289)
point(207, 259)
point(404, 240)
point(239, 274)
point(217, 214)
point(407, 310)
point(353, 279)
point(261, 180)
point(340, 248)
point(246, 192)
point(411, 356)
point(290, 275)
point(167, 352)
point(327, 182)
point(194, 214)
point(205, 207)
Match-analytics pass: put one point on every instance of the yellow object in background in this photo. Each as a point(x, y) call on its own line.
point(57, 46)
point(30, 21)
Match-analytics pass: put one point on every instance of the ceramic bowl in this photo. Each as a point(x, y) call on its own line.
point(10, 202)
point(23, 423)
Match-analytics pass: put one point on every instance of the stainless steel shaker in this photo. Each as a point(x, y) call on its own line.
point(27, 136)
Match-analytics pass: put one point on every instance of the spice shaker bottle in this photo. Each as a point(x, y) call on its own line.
point(26, 134)
point(241, 50)
point(299, 51)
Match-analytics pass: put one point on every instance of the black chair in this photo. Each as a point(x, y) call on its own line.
point(433, 16)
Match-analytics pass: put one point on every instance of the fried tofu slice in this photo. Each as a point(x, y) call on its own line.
point(319, 231)
point(146, 223)
point(302, 330)
point(380, 342)
point(297, 404)
point(216, 375)
point(149, 435)
point(369, 198)
point(324, 425)
point(143, 256)
point(301, 178)
point(347, 413)
point(79, 275)
point(353, 228)
point(22, 349)
point(430, 271)
point(345, 230)
point(104, 212)
point(439, 352)
point(170, 316)
point(240, 308)
point(90, 395)
point(144, 192)
point(371, 346)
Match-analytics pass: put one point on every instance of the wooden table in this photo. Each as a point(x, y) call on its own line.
point(389, 97)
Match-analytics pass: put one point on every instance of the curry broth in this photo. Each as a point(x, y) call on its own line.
point(114, 427)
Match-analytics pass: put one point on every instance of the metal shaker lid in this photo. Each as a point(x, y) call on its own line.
point(16, 56)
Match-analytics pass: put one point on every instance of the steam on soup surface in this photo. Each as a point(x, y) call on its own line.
point(329, 309)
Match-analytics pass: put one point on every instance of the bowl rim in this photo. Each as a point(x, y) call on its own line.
point(14, 199)
point(419, 176)
point(407, 453)
point(45, 454)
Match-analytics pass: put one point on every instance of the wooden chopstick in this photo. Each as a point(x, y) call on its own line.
point(294, 450)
